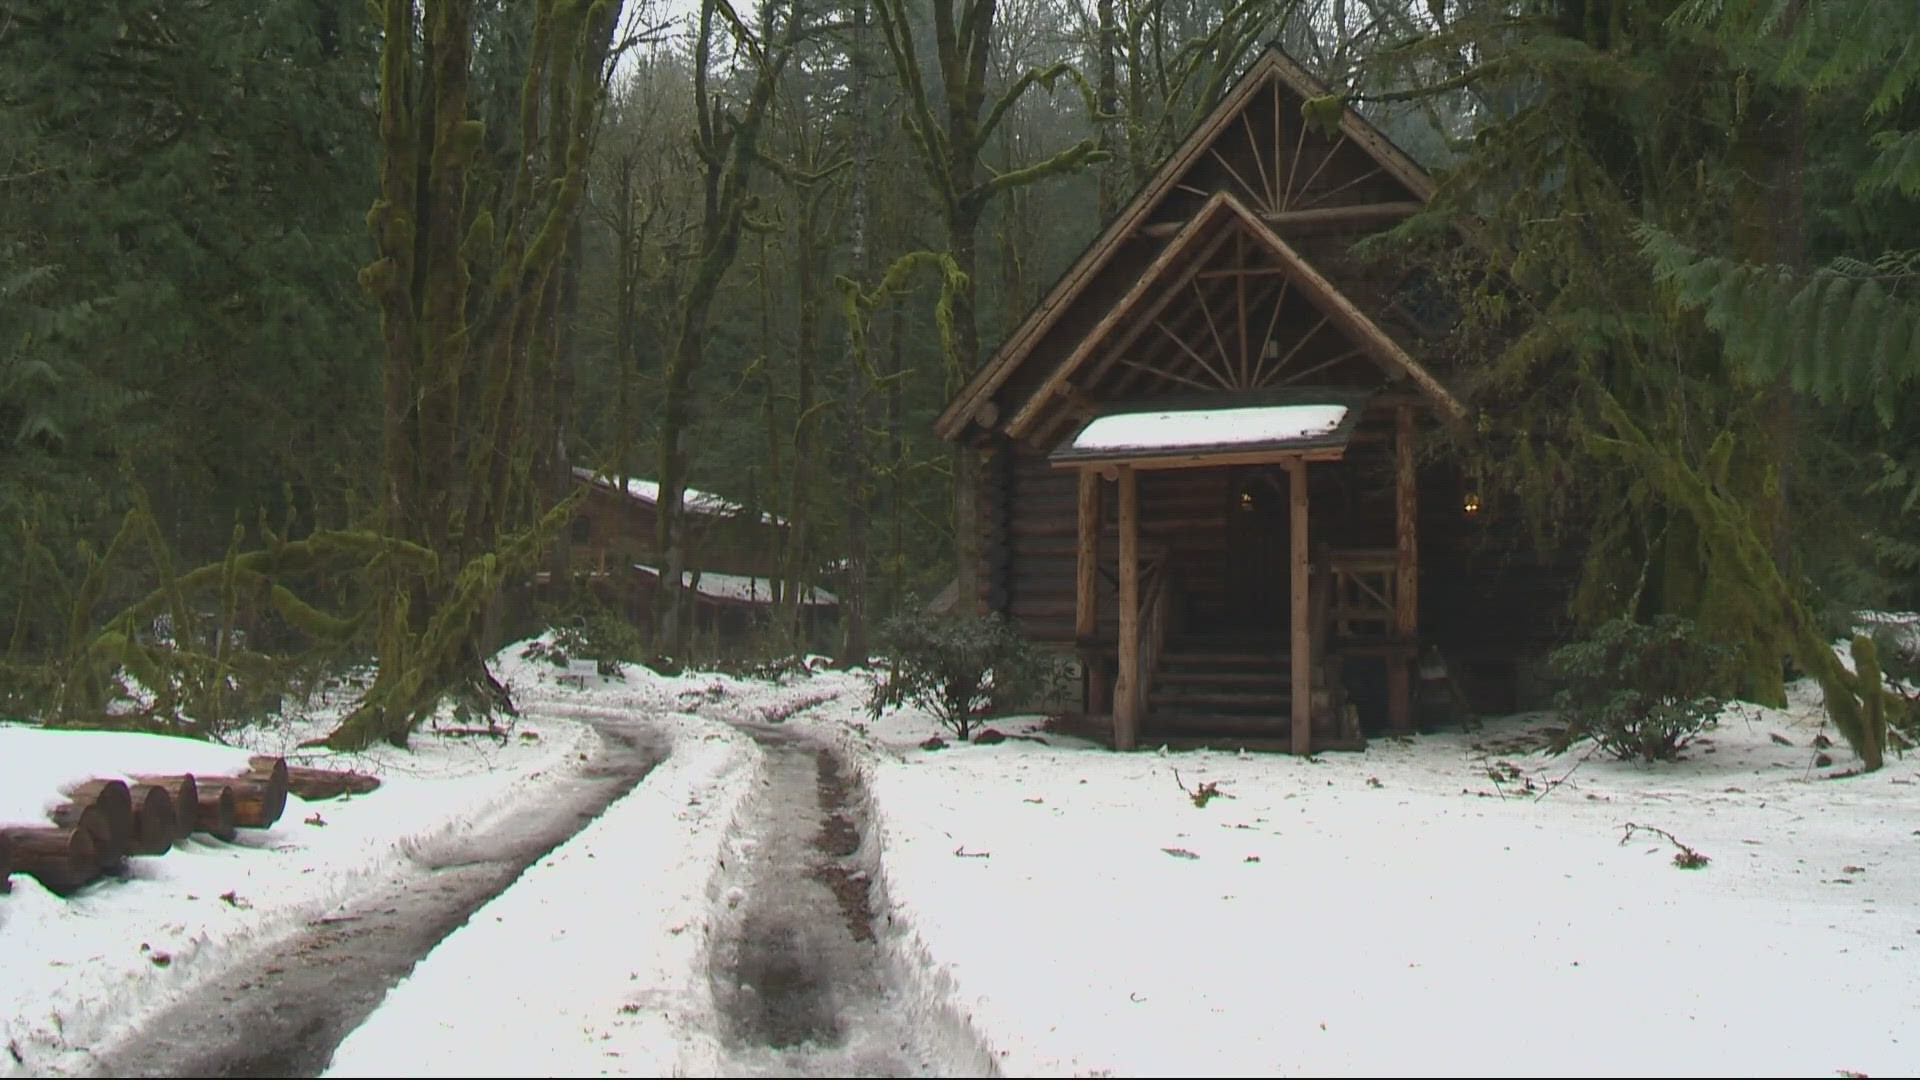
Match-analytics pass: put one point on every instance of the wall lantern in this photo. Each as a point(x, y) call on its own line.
point(1470, 504)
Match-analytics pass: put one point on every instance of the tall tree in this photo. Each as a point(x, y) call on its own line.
point(467, 282)
point(1608, 132)
point(951, 121)
point(728, 145)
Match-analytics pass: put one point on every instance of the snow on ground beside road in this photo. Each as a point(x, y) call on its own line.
point(37, 765)
point(592, 963)
point(1401, 911)
point(78, 969)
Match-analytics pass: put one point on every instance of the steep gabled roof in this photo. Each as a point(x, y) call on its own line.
point(1273, 71)
point(1200, 235)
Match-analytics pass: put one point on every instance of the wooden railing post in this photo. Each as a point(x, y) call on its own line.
point(1126, 691)
point(1302, 642)
point(1406, 598)
point(1098, 697)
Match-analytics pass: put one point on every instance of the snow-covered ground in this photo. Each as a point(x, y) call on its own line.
point(74, 971)
point(1454, 904)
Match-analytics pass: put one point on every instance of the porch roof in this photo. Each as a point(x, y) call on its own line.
point(1233, 431)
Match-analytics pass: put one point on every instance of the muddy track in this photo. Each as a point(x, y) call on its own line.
point(304, 994)
point(801, 982)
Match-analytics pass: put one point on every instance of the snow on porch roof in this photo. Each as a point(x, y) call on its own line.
point(1171, 438)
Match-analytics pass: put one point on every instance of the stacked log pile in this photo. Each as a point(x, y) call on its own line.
point(94, 826)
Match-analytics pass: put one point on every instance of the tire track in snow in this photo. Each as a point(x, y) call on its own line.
point(299, 996)
point(801, 984)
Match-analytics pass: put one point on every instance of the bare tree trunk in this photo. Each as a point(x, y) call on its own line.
point(1108, 95)
point(854, 455)
point(729, 146)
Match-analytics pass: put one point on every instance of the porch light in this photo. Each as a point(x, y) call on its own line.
point(1470, 503)
point(1246, 500)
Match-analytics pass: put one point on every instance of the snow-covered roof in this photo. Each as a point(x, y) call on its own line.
point(694, 501)
point(740, 588)
point(1222, 429)
point(1209, 427)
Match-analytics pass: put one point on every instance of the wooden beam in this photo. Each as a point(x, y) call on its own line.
point(1273, 320)
point(1354, 321)
point(1325, 219)
point(1126, 690)
point(1240, 299)
point(1219, 345)
point(1045, 433)
point(1168, 375)
point(1267, 192)
point(1242, 272)
point(1125, 226)
point(1219, 378)
point(1406, 571)
point(1030, 412)
point(1086, 602)
point(1302, 646)
point(1210, 459)
point(1319, 367)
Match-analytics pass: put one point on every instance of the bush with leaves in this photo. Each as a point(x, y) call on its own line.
point(590, 631)
point(959, 668)
point(1638, 690)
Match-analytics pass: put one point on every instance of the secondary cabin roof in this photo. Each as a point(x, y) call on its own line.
point(1193, 437)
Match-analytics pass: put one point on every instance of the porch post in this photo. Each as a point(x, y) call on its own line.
point(1086, 600)
point(1406, 587)
point(1126, 690)
point(1302, 648)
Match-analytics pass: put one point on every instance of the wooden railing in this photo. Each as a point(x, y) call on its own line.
point(1363, 589)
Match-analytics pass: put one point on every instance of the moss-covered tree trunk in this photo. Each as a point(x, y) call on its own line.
point(460, 361)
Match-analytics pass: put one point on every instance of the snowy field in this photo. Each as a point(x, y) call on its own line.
point(1457, 904)
point(1454, 905)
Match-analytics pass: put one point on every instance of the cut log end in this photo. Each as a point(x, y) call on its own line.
point(155, 820)
point(113, 799)
point(257, 804)
point(186, 801)
point(215, 814)
point(62, 859)
point(104, 844)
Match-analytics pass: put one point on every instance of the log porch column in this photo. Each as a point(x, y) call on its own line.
point(1406, 588)
point(1098, 698)
point(1302, 647)
point(1126, 690)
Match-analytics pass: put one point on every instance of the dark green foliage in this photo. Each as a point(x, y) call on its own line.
point(1639, 691)
point(960, 668)
point(591, 632)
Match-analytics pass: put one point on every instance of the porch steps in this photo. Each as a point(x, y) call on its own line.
point(1237, 684)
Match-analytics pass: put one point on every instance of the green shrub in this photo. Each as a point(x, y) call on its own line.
point(1640, 691)
point(592, 633)
point(959, 668)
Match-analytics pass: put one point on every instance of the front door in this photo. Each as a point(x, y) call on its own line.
point(1258, 545)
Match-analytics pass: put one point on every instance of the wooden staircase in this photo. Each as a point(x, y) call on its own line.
point(1239, 683)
